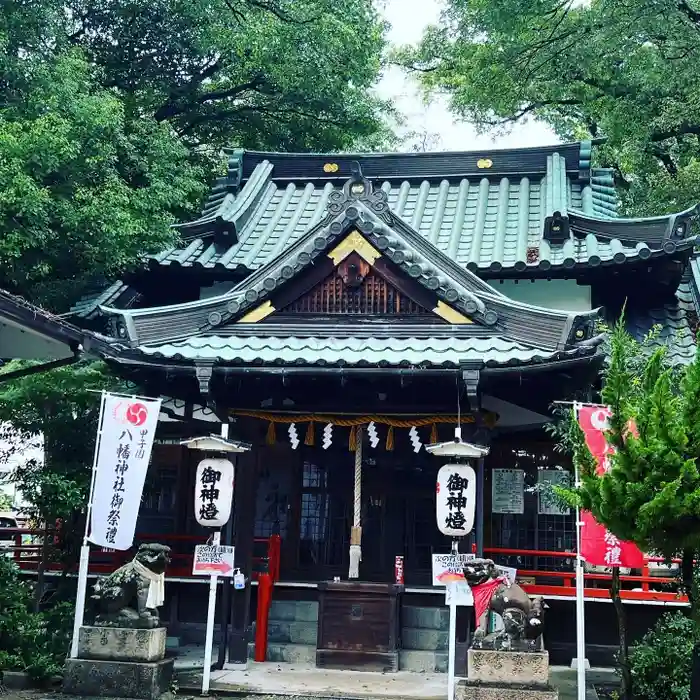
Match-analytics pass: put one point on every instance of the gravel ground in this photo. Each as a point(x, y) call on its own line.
point(52, 695)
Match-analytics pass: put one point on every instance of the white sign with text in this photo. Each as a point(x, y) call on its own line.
point(449, 567)
point(213, 560)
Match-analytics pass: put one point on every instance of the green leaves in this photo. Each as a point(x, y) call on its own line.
point(84, 192)
point(651, 494)
point(624, 71)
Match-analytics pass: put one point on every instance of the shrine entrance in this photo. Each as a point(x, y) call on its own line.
point(306, 496)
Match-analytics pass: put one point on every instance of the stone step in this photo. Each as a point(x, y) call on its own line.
point(422, 639)
point(420, 661)
point(294, 611)
point(292, 653)
point(292, 632)
point(425, 618)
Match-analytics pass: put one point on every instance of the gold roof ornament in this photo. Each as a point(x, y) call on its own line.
point(484, 163)
point(330, 168)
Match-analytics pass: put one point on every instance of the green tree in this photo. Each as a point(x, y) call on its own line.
point(62, 406)
point(651, 493)
point(5, 502)
point(112, 116)
point(626, 71)
point(84, 189)
point(277, 74)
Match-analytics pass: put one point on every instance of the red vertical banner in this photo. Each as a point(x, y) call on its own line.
point(599, 546)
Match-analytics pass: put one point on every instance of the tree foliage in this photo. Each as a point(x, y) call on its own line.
point(62, 405)
point(84, 189)
point(278, 74)
point(623, 70)
point(651, 493)
point(113, 113)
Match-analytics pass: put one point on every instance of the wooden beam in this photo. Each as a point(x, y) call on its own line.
point(405, 284)
point(305, 282)
point(449, 314)
point(354, 243)
point(258, 313)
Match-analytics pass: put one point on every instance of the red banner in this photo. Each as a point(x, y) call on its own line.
point(599, 546)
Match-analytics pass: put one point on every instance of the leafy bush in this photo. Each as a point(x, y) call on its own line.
point(661, 662)
point(33, 642)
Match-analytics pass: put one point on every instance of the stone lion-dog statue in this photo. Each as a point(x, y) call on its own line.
point(523, 617)
point(130, 596)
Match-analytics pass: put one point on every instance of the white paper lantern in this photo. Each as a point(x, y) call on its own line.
point(455, 499)
point(213, 492)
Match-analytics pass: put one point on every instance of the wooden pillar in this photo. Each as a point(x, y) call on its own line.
point(244, 531)
point(480, 485)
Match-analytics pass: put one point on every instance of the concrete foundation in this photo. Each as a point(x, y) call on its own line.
point(474, 690)
point(118, 679)
point(120, 663)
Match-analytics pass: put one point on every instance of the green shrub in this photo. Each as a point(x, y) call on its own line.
point(661, 662)
point(33, 642)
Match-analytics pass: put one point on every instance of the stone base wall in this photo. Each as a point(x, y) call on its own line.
point(118, 679)
point(467, 691)
point(508, 667)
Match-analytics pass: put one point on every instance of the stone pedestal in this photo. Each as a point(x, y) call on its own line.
point(120, 663)
point(507, 675)
point(119, 644)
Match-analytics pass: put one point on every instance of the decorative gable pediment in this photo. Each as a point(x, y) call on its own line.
point(355, 279)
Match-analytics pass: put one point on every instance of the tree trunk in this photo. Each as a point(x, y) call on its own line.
point(688, 574)
point(41, 567)
point(623, 653)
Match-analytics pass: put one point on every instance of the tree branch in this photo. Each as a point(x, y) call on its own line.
point(689, 12)
point(680, 130)
point(532, 108)
point(276, 114)
point(665, 159)
point(173, 109)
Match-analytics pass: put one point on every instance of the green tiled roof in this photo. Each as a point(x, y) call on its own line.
point(442, 279)
point(674, 325)
point(487, 219)
point(357, 352)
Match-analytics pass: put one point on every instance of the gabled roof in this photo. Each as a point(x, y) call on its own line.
point(483, 324)
point(486, 210)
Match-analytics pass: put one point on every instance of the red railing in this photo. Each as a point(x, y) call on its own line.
point(566, 580)
point(27, 555)
point(266, 566)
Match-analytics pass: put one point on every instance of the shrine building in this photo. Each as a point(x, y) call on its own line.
point(340, 313)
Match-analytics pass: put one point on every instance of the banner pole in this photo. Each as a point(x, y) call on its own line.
point(211, 607)
point(211, 611)
point(452, 640)
point(580, 598)
point(85, 548)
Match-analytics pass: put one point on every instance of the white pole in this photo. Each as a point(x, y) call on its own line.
point(452, 640)
point(580, 600)
point(85, 548)
point(211, 610)
point(451, 651)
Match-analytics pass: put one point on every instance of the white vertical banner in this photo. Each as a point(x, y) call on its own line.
point(121, 463)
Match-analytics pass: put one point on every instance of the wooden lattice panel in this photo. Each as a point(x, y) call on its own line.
point(374, 296)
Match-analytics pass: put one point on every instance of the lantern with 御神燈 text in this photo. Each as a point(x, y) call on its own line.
point(213, 492)
point(456, 499)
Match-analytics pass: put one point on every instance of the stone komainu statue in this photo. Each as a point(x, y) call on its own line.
point(523, 618)
point(130, 597)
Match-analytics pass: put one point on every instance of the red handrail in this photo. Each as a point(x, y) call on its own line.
point(28, 556)
point(566, 589)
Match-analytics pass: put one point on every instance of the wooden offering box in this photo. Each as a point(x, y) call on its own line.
point(358, 626)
